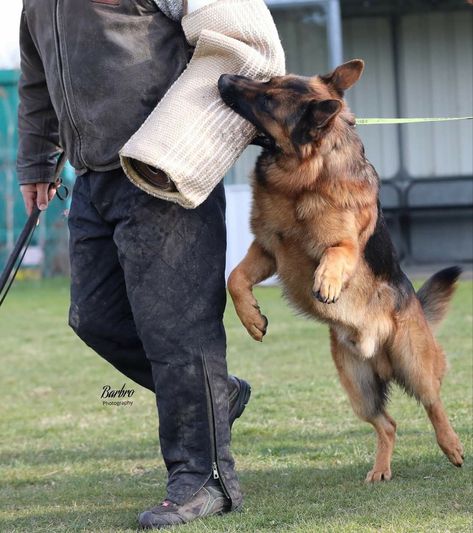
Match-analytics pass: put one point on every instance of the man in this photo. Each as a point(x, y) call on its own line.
point(147, 274)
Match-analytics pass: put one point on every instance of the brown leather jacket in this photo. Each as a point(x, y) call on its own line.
point(91, 72)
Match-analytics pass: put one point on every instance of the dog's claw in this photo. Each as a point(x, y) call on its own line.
point(376, 476)
point(266, 322)
point(318, 296)
point(322, 300)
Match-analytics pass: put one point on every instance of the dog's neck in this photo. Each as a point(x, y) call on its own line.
point(334, 159)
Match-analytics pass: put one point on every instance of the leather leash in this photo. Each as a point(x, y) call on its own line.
point(18, 253)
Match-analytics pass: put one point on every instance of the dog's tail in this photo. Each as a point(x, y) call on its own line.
point(436, 293)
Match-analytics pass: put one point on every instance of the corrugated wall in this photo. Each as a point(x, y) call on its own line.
point(437, 77)
point(436, 72)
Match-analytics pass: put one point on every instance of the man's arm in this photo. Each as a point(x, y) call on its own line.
point(37, 127)
point(192, 136)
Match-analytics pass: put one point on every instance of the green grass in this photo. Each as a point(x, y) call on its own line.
point(67, 463)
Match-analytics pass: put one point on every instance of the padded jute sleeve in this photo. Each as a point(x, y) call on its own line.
point(192, 135)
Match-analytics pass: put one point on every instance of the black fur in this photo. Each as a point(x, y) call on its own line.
point(401, 379)
point(376, 394)
point(445, 278)
point(436, 291)
point(379, 251)
point(297, 86)
point(260, 170)
point(381, 394)
point(301, 135)
point(264, 141)
point(312, 117)
point(381, 257)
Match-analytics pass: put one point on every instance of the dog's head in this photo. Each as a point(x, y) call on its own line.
point(292, 111)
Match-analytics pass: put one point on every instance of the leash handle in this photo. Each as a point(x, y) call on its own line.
point(9, 273)
point(18, 253)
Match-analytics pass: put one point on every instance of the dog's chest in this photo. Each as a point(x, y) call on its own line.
point(280, 223)
point(272, 220)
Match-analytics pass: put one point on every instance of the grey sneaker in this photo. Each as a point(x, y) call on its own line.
point(239, 392)
point(209, 500)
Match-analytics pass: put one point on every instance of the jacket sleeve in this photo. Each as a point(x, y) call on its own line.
point(176, 9)
point(192, 135)
point(38, 138)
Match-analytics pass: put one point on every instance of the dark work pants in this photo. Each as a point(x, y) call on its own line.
point(148, 295)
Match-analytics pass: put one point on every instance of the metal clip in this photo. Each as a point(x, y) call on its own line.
point(60, 185)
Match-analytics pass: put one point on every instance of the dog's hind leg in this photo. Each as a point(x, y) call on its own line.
point(255, 267)
point(419, 366)
point(447, 439)
point(385, 428)
point(367, 392)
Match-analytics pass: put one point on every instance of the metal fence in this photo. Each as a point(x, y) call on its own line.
point(47, 254)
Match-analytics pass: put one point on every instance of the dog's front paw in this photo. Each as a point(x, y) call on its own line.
point(251, 317)
point(327, 284)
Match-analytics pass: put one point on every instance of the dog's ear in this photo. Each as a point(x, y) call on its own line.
point(315, 116)
point(345, 76)
point(323, 111)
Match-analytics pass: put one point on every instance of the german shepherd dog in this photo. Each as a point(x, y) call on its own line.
point(318, 224)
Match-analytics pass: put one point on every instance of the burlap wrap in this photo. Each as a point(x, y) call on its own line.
point(191, 134)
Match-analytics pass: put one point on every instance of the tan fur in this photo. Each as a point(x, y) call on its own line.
point(314, 210)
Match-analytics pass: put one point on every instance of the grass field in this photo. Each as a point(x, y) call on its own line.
point(70, 464)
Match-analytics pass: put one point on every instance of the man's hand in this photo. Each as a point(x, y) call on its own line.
point(39, 193)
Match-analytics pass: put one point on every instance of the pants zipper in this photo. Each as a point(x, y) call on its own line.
point(215, 471)
point(213, 437)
